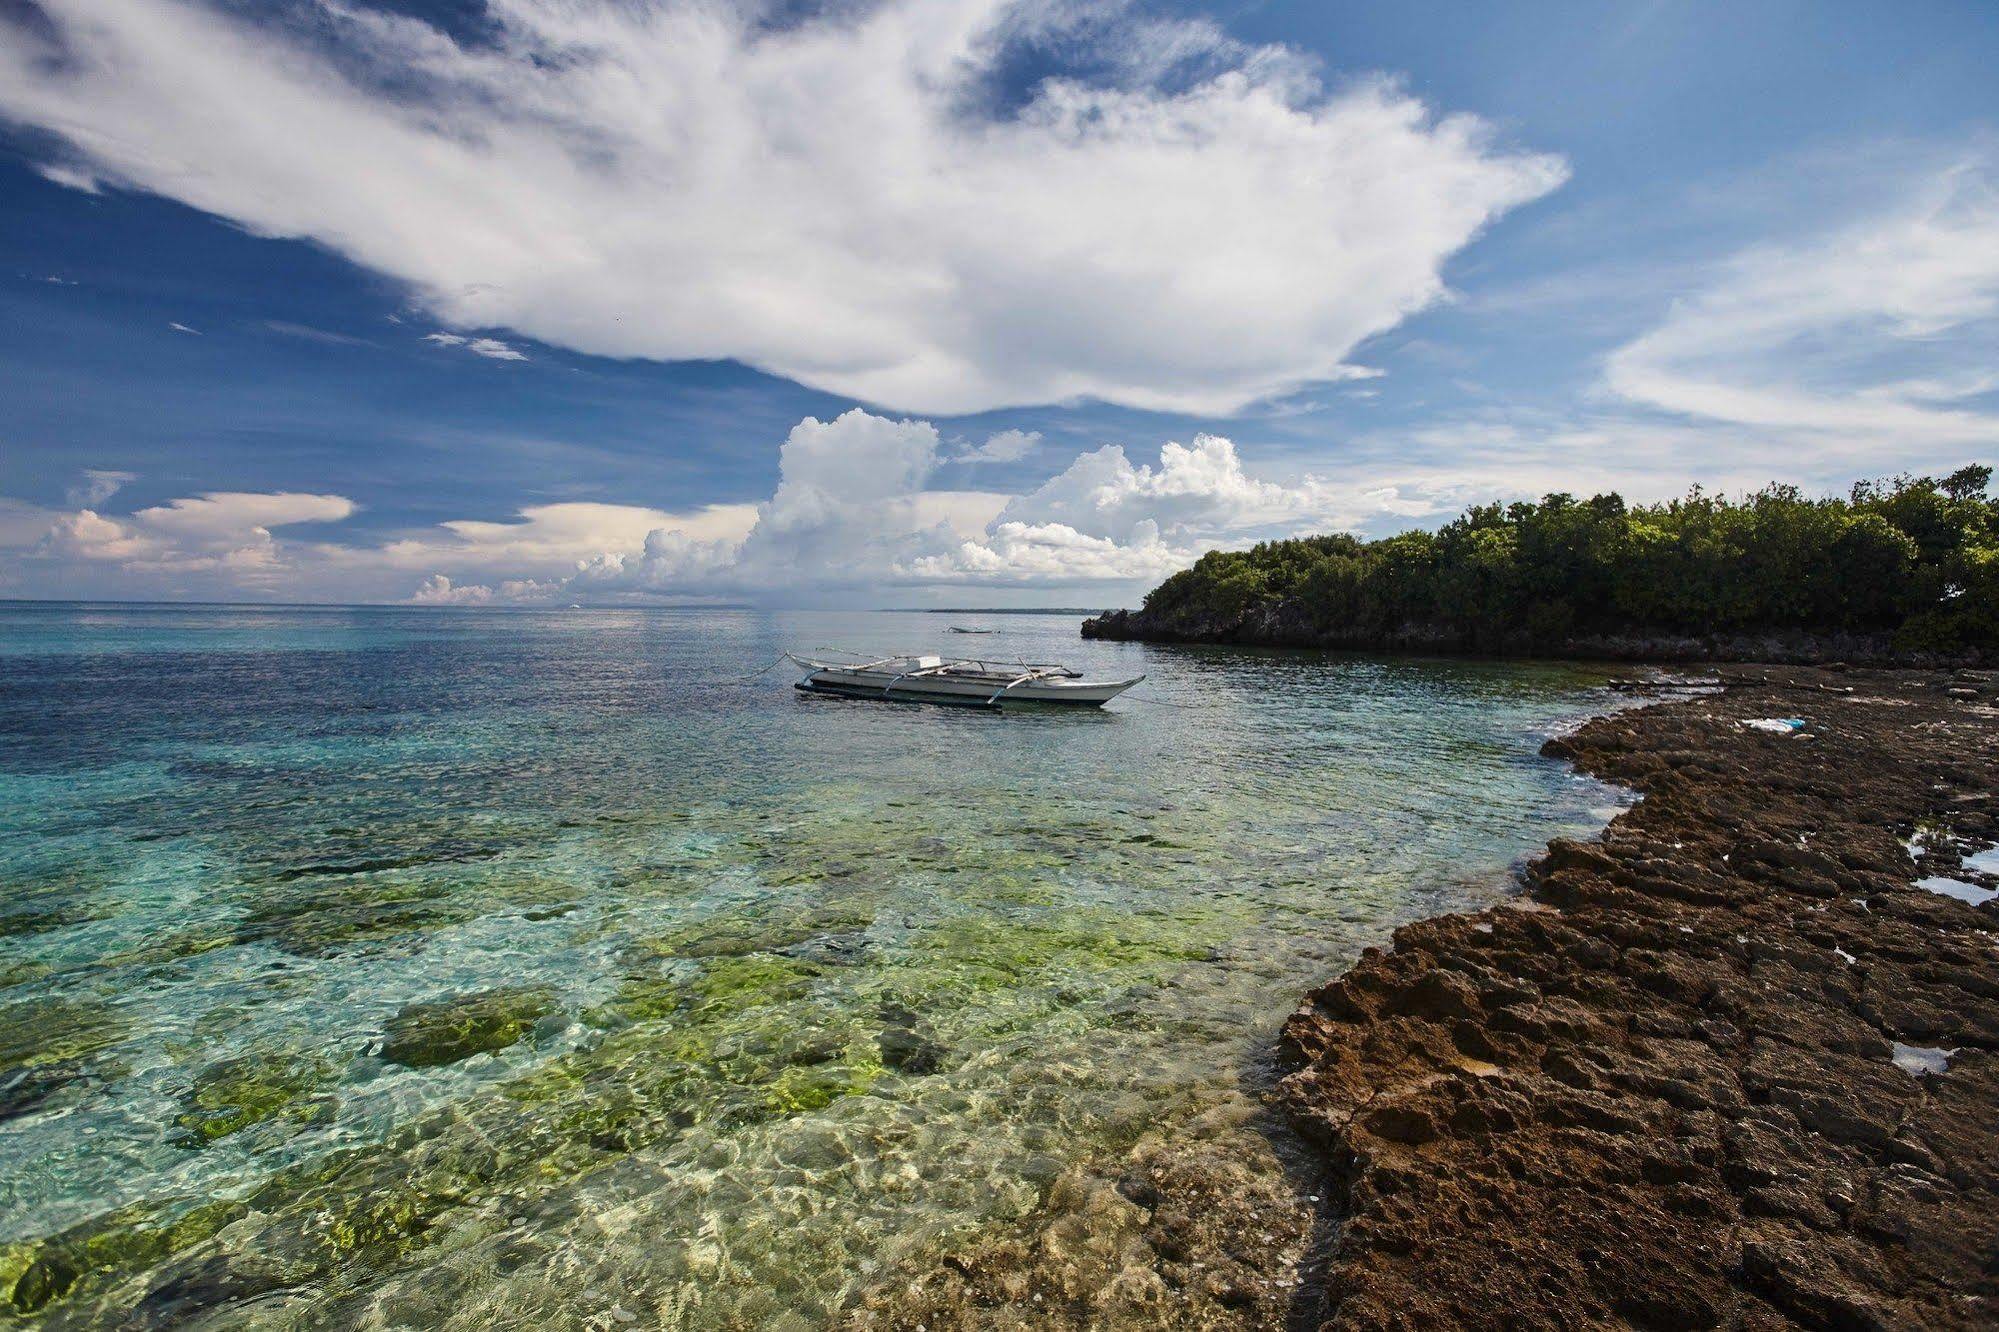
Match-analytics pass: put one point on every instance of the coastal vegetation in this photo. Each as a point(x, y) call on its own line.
point(1912, 562)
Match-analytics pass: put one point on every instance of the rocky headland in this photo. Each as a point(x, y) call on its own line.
point(1903, 572)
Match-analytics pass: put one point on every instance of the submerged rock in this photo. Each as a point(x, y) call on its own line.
point(1201, 1234)
point(238, 1093)
point(50, 1045)
point(904, 1046)
point(430, 1035)
point(37, 1273)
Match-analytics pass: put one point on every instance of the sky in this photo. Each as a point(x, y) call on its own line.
point(951, 302)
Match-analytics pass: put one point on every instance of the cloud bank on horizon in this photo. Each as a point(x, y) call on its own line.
point(854, 200)
point(852, 513)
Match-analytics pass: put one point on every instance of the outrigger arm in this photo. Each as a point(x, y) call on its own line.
point(906, 675)
point(1017, 680)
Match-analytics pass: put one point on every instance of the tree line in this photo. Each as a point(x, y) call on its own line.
point(1914, 559)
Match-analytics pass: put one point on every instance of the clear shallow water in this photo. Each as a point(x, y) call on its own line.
point(736, 998)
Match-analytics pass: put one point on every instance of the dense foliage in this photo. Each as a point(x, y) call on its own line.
point(1914, 558)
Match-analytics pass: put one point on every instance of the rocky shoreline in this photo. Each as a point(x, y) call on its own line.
point(1728, 1066)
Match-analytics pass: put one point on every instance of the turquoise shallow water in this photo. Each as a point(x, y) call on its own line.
point(384, 965)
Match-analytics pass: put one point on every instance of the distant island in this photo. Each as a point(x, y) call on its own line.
point(1905, 570)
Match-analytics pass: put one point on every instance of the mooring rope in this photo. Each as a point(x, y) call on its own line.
point(1162, 703)
point(758, 675)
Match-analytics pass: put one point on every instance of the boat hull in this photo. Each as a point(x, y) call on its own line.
point(964, 693)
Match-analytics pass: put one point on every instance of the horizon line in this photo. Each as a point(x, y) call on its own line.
point(621, 606)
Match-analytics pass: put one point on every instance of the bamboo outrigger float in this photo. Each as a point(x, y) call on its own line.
point(963, 681)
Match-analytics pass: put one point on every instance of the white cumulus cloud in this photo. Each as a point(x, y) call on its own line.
point(225, 531)
point(88, 535)
point(227, 516)
point(849, 508)
point(439, 590)
point(852, 517)
point(1197, 491)
point(846, 198)
point(850, 512)
point(551, 538)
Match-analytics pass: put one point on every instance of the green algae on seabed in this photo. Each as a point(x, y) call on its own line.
point(317, 1224)
point(737, 1041)
point(316, 919)
point(53, 1030)
point(729, 1038)
point(357, 1211)
point(35, 1273)
point(26, 920)
point(48, 1045)
point(237, 1093)
point(725, 981)
point(176, 946)
point(771, 929)
point(444, 1031)
point(970, 954)
point(358, 896)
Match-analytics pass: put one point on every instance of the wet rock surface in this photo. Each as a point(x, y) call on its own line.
point(1692, 1079)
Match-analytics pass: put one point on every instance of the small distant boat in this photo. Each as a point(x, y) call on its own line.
point(966, 629)
point(969, 683)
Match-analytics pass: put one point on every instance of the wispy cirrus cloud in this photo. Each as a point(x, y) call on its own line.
point(1883, 332)
point(98, 484)
point(307, 333)
point(493, 349)
point(1005, 446)
point(849, 198)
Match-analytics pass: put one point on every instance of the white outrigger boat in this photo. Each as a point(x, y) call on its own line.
point(970, 683)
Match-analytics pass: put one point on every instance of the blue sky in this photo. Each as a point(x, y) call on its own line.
point(963, 301)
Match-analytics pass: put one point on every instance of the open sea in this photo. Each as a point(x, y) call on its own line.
point(365, 967)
